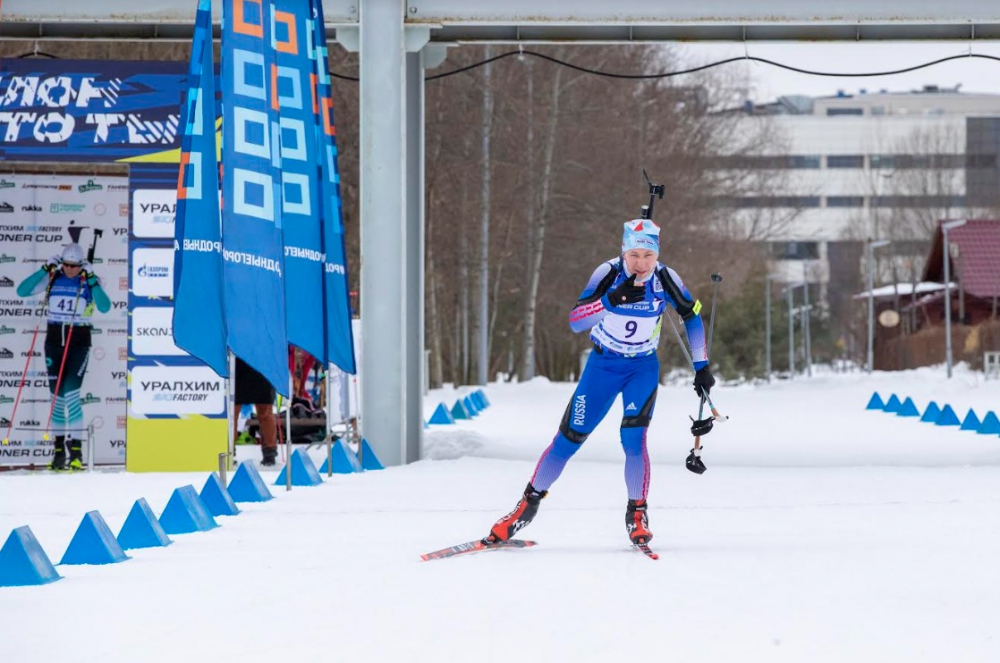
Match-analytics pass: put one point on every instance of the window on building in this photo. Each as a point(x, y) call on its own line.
point(900, 161)
point(845, 161)
point(803, 161)
point(845, 111)
point(980, 161)
point(762, 202)
point(766, 162)
point(845, 201)
point(919, 201)
point(795, 250)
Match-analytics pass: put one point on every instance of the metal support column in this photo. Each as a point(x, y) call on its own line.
point(414, 276)
point(767, 327)
point(791, 332)
point(384, 369)
point(945, 227)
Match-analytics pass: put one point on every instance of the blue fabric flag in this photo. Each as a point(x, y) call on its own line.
point(340, 338)
point(251, 192)
point(199, 320)
point(302, 232)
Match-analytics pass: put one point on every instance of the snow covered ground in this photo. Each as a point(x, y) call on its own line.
point(821, 532)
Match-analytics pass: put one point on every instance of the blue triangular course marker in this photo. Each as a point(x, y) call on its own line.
point(458, 411)
point(971, 421)
point(344, 460)
point(892, 405)
point(908, 409)
point(369, 461)
point(486, 401)
point(990, 424)
point(442, 415)
point(477, 401)
point(142, 529)
point(304, 471)
point(875, 402)
point(23, 562)
point(93, 543)
point(947, 417)
point(247, 486)
point(470, 406)
point(931, 413)
point(216, 498)
point(186, 513)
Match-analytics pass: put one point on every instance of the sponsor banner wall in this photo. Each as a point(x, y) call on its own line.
point(109, 111)
point(176, 404)
point(36, 212)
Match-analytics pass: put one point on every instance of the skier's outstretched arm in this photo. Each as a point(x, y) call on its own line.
point(689, 309)
point(591, 307)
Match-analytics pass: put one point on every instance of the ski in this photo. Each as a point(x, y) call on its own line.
point(644, 547)
point(475, 547)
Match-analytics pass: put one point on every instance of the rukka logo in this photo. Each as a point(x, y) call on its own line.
point(6, 208)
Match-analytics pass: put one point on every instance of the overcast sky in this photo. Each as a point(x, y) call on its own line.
point(975, 75)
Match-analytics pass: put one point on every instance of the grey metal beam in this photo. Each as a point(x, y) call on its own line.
point(140, 11)
point(414, 295)
point(704, 11)
point(545, 21)
point(383, 148)
point(735, 32)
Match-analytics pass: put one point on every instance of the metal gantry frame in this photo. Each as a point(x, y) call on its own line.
point(398, 39)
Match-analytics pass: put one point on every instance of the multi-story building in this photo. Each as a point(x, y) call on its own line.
point(853, 167)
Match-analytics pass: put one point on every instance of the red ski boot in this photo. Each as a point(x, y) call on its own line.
point(517, 519)
point(636, 523)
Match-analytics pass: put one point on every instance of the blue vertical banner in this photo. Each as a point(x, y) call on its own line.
point(199, 316)
point(340, 338)
point(301, 219)
point(252, 245)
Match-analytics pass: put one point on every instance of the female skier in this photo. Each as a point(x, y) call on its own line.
point(73, 292)
point(622, 306)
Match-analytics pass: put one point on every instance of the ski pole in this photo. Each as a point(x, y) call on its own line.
point(27, 362)
point(716, 280)
point(687, 355)
point(62, 364)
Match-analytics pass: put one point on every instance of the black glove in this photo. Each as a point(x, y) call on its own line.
point(701, 427)
point(693, 462)
point(703, 381)
point(627, 292)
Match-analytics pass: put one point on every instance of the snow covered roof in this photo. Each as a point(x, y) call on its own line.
point(902, 289)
